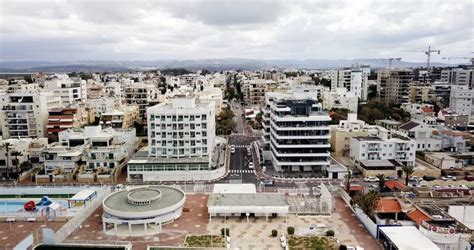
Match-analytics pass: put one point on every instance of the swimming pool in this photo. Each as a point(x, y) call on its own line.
point(9, 206)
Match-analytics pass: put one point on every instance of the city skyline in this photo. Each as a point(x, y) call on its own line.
point(144, 30)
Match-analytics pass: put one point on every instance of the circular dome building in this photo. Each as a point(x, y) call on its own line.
point(142, 210)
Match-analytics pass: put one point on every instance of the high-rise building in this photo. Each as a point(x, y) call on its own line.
point(181, 143)
point(24, 115)
point(458, 76)
point(394, 85)
point(297, 132)
point(460, 100)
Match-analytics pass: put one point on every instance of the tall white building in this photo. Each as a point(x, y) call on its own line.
point(297, 132)
point(24, 115)
point(71, 90)
point(354, 80)
point(181, 143)
point(460, 100)
point(458, 76)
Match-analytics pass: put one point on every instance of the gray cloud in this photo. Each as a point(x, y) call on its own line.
point(147, 30)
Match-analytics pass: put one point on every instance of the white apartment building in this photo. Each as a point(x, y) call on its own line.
point(71, 90)
point(181, 143)
point(460, 100)
point(376, 154)
point(107, 148)
point(24, 115)
point(340, 99)
point(354, 80)
point(101, 105)
point(458, 76)
point(114, 90)
point(296, 131)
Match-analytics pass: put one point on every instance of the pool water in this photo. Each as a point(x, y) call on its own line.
point(8, 206)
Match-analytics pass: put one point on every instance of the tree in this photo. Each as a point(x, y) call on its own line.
point(290, 230)
point(25, 166)
point(330, 232)
point(348, 178)
point(408, 170)
point(381, 181)
point(368, 202)
point(16, 162)
point(274, 233)
point(7, 145)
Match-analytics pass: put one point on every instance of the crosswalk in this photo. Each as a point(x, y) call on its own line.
point(243, 171)
point(241, 146)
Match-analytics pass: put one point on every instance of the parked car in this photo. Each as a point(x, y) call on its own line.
point(232, 149)
point(371, 179)
point(250, 165)
point(429, 178)
point(267, 182)
point(448, 177)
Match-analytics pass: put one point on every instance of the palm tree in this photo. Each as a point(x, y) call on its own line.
point(348, 177)
point(16, 162)
point(381, 178)
point(408, 170)
point(7, 145)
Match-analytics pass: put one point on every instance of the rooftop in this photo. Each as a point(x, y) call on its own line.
point(408, 238)
point(257, 199)
point(168, 196)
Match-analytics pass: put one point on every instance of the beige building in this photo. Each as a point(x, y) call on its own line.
point(342, 133)
point(254, 91)
point(124, 117)
point(421, 92)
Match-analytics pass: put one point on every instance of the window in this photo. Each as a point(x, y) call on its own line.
point(193, 126)
point(191, 118)
point(204, 126)
point(204, 117)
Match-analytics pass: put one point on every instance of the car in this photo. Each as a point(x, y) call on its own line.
point(414, 178)
point(371, 179)
point(463, 186)
point(249, 152)
point(448, 177)
point(429, 178)
point(250, 165)
point(232, 149)
point(267, 182)
point(373, 186)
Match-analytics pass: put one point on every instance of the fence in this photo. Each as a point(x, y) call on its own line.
point(82, 215)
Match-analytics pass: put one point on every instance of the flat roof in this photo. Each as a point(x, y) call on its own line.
point(379, 163)
point(118, 201)
point(258, 199)
point(142, 157)
point(408, 238)
point(367, 138)
point(83, 195)
point(223, 188)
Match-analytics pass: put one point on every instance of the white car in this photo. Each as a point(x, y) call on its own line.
point(371, 179)
point(232, 149)
point(448, 177)
point(250, 165)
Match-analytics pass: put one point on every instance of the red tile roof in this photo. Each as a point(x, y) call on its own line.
point(392, 184)
point(357, 188)
point(388, 205)
point(417, 216)
point(427, 109)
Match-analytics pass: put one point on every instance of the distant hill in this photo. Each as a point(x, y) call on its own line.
point(210, 64)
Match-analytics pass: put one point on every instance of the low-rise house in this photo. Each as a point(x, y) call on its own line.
point(422, 134)
point(124, 117)
point(453, 119)
point(374, 155)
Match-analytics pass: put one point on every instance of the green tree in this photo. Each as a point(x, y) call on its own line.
point(25, 166)
point(348, 178)
point(381, 181)
point(7, 147)
point(16, 163)
point(368, 202)
point(408, 170)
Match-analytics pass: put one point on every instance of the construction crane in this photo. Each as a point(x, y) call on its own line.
point(390, 60)
point(428, 54)
point(471, 59)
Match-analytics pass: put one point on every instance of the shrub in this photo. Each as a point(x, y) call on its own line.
point(342, 247)
point(226, 230)
point(290, 230)
point(330, 232)
point(274, 233)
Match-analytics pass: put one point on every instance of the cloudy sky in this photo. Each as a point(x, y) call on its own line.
point(148, 30)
